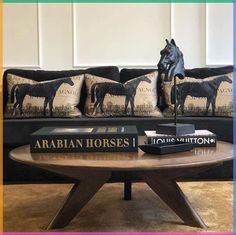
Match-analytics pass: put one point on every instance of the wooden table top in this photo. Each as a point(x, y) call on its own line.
point(127, 160)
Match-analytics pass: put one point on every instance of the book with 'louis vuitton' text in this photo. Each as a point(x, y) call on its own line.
point(201, 138)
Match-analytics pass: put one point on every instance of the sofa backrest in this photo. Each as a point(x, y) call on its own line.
point(110, 72)
point(208, 72)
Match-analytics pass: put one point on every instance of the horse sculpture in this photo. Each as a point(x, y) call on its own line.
point(99, 91)
point(207, 89)
point(45, 90)
point(171, 62)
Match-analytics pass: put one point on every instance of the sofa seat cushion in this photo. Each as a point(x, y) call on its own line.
point(17, 131)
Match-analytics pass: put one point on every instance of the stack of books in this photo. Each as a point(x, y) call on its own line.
point(201, 138)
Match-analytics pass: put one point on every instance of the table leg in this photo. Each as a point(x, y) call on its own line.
point(77, 198)
point(173, 196)
point(128, 186)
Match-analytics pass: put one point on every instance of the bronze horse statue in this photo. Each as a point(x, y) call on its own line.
point(206, 89)
point(45, 90)
point(128, 89)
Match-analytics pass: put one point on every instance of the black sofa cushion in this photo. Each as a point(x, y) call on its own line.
point(221, 126)
point(127, 74)
point(110, 72)
point(208, 72)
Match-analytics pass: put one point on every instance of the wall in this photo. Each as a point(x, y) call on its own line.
point(65, 36)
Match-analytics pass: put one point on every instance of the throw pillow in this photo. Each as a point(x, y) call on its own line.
point(136, 97)
point(29, 98)
point(210, 96)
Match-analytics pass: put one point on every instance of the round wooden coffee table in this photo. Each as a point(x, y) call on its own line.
point(92, 170)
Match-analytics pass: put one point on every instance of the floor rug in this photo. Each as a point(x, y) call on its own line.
point(30, 207)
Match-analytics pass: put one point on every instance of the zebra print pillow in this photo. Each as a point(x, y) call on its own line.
point(211, 96)
point(55, 98)
point(136, 97)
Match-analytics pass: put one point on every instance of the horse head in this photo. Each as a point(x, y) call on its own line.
point(171, 62)
point(145, 79)
point(226, 79)
point(69, 81)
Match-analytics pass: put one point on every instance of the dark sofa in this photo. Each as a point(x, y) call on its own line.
point(17, 132)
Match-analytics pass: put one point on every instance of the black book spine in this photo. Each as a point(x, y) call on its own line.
point(197, 141)
point(84, 143)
